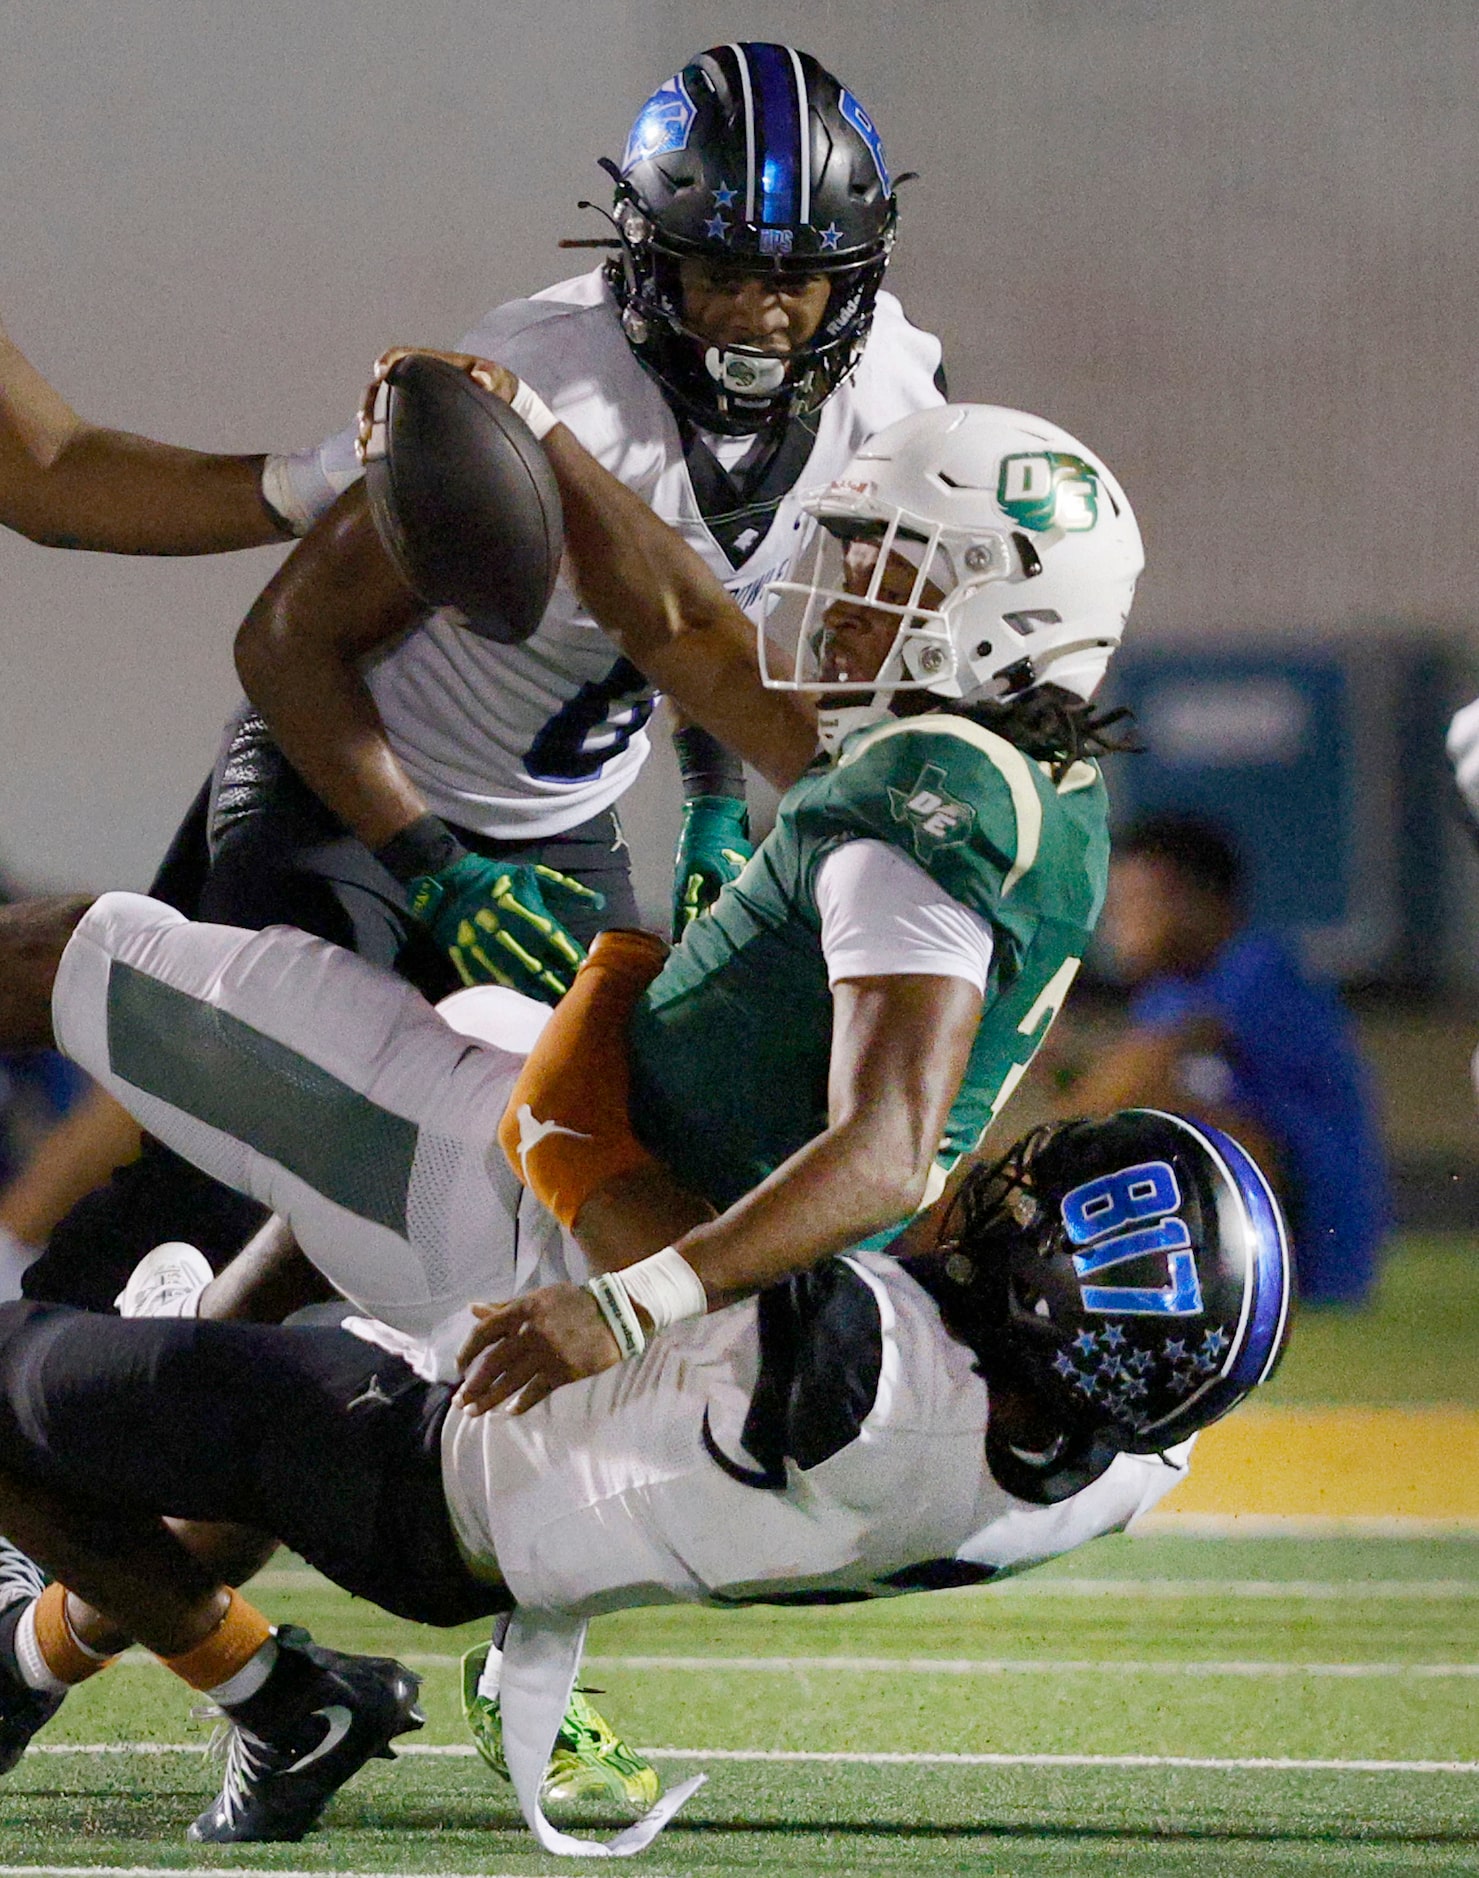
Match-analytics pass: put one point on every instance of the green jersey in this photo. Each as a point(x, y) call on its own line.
point(730, 1044)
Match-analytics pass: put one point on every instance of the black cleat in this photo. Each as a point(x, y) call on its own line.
point(24, 1711)
point(312, 1725)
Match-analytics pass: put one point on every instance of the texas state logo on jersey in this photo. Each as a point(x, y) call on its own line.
point(738, 1025)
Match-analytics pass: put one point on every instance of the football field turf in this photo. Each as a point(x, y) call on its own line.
point(1305, 1699)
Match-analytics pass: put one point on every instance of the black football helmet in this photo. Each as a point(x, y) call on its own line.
point(756, 157)
point(1131, 1275)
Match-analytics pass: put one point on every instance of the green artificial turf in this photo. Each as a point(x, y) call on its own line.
point(1308, 1650)
point(1418, 1340)
point(1165, 1648)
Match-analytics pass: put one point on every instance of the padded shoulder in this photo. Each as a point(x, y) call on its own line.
point(897, 372)
point(567, 343)
point(963, 803)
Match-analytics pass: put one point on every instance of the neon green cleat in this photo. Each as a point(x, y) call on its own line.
point(590, 1761)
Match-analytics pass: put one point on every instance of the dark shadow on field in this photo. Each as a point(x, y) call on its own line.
point(451, 1819)
point(157, 1818)
point(1086, 1835)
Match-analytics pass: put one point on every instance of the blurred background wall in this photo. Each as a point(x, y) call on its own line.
point(1231, 243)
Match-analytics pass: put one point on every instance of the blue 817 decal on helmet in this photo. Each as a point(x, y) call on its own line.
point(1095, 1215)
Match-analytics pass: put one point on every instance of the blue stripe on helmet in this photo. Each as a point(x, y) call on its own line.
point(868, 131)
point(778, 134)
point(1269, 1261)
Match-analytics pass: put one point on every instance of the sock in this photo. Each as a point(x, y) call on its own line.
point(248, 1679)
point(229, 1648)
point(47, 1652)
point(492, 1675)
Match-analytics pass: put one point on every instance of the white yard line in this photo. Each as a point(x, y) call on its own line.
point(465, 1750)
point(1019, 1666)
point(1031, 1585)
point(961, 1666)
point(174, 1871)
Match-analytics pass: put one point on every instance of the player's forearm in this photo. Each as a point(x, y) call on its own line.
point(855, 1180)
point(119, 494)
point(69, 484)
point(334, 600)
point(669, 614)
point(900, 1046)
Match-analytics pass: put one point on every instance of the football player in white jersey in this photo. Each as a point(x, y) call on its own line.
point(826, 1442)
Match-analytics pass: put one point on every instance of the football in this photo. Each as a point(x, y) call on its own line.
point(464, 499)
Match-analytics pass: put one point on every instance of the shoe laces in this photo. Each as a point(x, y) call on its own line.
point(247, 1758)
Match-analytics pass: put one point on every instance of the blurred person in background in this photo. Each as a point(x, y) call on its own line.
point(1225, 1027)
point(38, 1088)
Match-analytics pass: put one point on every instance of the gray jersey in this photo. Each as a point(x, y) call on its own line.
point(676, 1479)
point(524, 741)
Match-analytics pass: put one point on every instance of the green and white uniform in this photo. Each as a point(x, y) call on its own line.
point(730, 1045)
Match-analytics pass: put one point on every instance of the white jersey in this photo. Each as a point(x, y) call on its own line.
point(525, 741)
point(665, 1480)
point(828, 1438)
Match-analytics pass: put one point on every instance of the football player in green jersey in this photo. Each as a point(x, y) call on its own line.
point(859, 1004)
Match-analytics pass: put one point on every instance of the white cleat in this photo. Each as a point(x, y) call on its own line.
point(166, 1282)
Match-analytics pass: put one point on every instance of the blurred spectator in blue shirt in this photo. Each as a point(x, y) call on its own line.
point(37, 1087)
point(1224, 1025)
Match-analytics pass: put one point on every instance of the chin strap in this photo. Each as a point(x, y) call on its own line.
point(837, 722)
point(541, 1654)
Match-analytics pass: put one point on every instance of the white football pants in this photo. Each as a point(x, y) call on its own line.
point(329, 1090)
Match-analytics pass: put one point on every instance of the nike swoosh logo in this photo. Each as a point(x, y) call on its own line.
point(339, 1718)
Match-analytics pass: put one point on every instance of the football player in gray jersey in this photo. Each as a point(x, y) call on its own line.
point(735, 351)
point(404, 786)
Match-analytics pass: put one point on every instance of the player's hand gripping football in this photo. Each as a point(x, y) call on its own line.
point(712, 849)
point(531, 1346)
point(485, 372)
point(498, 923)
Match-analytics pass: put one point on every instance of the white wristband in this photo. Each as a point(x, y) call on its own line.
point(667, 1288)
point(616, 1307)
point(534, 411)
point(282, 498)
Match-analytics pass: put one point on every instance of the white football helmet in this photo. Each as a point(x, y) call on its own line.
point(1026, 551)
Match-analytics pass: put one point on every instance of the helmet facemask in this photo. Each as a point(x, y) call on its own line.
point(892, 570)
point(1025, 548)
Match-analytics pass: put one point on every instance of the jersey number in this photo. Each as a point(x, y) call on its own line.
point(1094, 1216)
point(592, 727)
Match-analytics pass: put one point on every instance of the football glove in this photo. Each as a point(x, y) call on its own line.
point(497, 923)
point(712, 849)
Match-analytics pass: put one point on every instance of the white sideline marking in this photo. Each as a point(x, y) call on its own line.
point(174, 1871)
point(945, 1666)
point(463, 1750)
